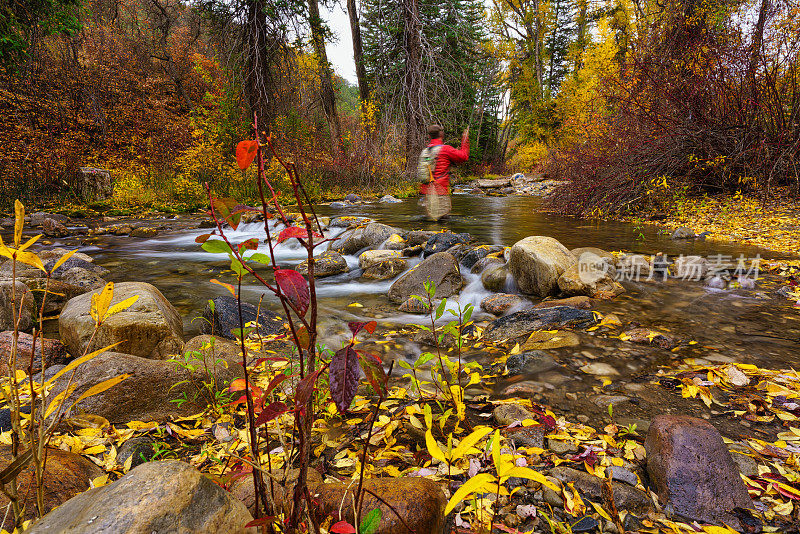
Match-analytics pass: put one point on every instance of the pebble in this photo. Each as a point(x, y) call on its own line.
point(561, 447)
point(623, 475)
point(599, 369)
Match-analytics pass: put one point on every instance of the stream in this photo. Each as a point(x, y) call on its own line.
point(747, 326)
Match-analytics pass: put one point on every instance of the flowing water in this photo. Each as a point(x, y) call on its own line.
point(753, 326)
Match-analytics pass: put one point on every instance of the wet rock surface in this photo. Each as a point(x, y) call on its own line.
point(440, 268)
point(328, 263)
point(692, 470)
point(537, 262)
point(526, 321)
point(224, 318)
point(164, 496)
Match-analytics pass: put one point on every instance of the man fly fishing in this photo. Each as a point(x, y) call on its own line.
point(433, 171)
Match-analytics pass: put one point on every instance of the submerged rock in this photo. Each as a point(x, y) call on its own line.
point(144, 231)
point(692, 470)
point(225, 317)
point(53, 228)
point(151, 327)
point(530, 362)
point(581, 302)
point(537, 262)
point(413, 305)
point(161, 496)
point(389, 199)
point(526, 321)
point(441, 269)
point(683, 233)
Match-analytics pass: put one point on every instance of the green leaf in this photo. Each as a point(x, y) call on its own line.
point(216, 246)
point(440, 309)
point(370, 522)
point(424, 358)
point(238, 267)
point(260, 257)
point(404, 364)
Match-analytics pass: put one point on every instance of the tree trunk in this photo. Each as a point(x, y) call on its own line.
point(257, 67)
point(581, 40)
point(538, 48)
point(326, 77)
point(358, 53)
point(413, 85)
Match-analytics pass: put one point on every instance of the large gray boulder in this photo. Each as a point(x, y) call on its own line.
point(537, 262)
point(441, 269)
point(161, 496)
point(150, 328)
point(376, 233)
point(153, 387)
point(349, 242)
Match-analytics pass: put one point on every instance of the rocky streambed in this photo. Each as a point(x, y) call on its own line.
point(567, 330)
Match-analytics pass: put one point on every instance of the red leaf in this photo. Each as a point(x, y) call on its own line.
point(295, 231)
point(226, 207)
point(343, 527)
point(303, 338)
point(373, 370)
point(202, 238)
point(237, 385)
point(304, 389)
point(275, 382)
point(356, 327)
point(344, 377)
point(294, 286)
point(260, 521)
point(245, 153)
point(270, 412)
point(250, 244)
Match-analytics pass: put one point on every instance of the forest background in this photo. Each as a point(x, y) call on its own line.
point(637, 103)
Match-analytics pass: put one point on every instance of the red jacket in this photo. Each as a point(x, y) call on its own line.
point(441, 174)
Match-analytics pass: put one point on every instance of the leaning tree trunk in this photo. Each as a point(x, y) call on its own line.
point(358, 53)
point(413, 86)
point(325, 77)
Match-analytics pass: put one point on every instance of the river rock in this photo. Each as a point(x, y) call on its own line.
point(483, 264)
point(634, 267)
point(530, 362)
point(587, 279)
point(413, 305)
point(442, 241)
point(328, 263)
point(608, 257)
point(522, 436)
point(524, 322)
point(54, 351)
point(683, 233)
point(394, 242)
point(150, 328)
point(211, 348)
point(409, 252)
point(38, 218)
point(389, 199)
point(551, 339)
point(599, 369)
point(386, 269)
point(496, 278)
point(419, 501)
point(14, 295)
point(67, 475)
point(225, 318)
point(53, 228)
point(72, 263)
point(500, 303)
point(646, 336)
point(57, 253)
point(472, 255)
point(418, 237)
point(590, 486)
point(692, 471)
point(537, 262)
point(242, 488)
point(581, 302)
point(440, 268)
point(693, 268)
point(161, 496)
point(348, 221)
point(350, 242)
point(148, 394)
point(68, 285)
point(373, 257)
point(376, 233)
point(145, 232)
